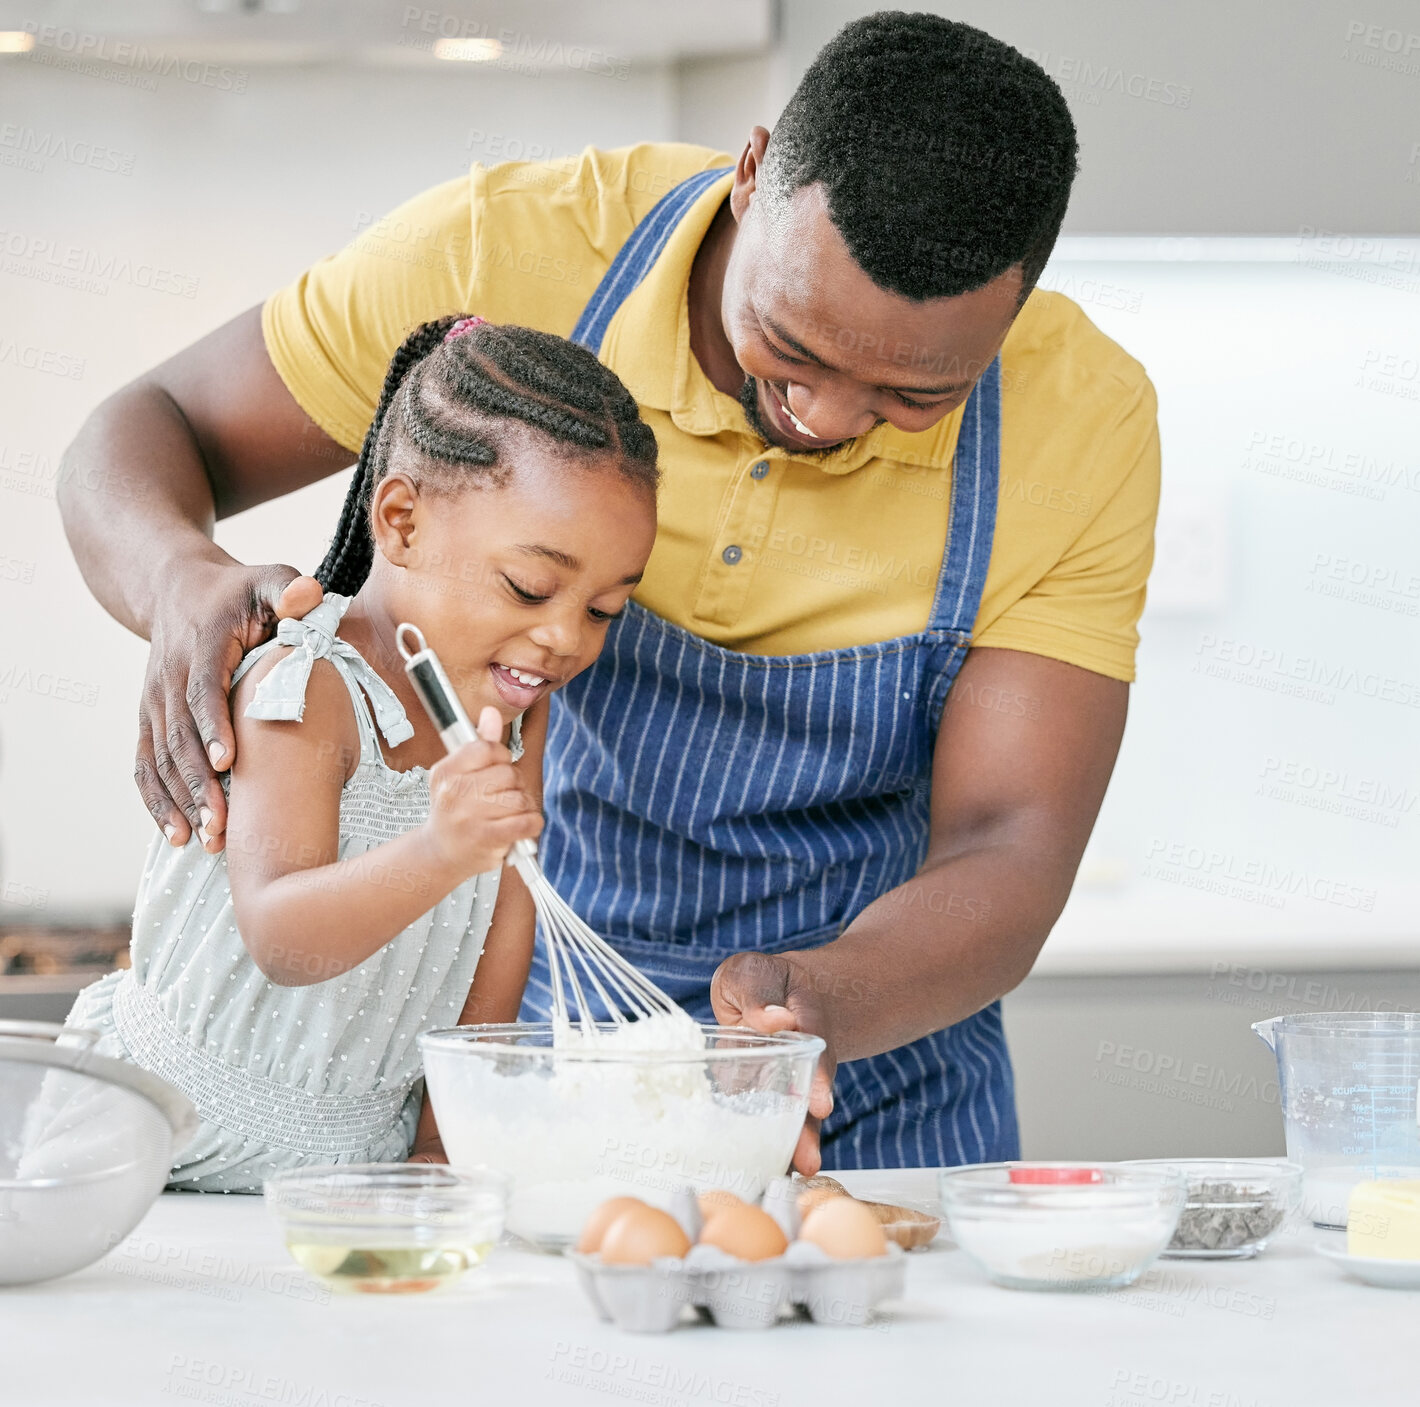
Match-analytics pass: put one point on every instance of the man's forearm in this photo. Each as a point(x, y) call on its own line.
point(961, 933)
point(136, 503)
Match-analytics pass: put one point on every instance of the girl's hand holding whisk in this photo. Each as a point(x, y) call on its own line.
point(479, 806)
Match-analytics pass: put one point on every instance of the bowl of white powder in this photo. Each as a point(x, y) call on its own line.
point(1062, 1226)
point(640, 1110)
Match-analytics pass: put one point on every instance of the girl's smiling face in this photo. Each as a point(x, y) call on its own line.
point(512, 579)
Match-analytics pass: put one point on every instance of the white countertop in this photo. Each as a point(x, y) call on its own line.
point(202, 1304)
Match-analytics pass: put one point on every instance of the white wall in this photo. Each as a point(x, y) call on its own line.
point(230, 194)
point(1266, 802)
point(718, 100)
point(1298, 114)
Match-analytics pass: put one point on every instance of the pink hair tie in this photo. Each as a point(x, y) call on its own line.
point(461, 326)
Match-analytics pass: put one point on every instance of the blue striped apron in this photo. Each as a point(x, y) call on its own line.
point(703, 802)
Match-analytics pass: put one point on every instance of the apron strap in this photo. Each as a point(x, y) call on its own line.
point(972, 521)
point(637, 255)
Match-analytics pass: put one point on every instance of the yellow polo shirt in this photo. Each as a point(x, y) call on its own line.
point(834, 552)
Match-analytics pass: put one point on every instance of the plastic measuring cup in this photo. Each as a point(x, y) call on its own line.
point(1350, 1086)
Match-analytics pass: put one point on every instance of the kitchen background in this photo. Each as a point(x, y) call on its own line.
point(1246, 222)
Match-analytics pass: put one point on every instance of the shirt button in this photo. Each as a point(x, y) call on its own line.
point(731, 555)
point(760, 469)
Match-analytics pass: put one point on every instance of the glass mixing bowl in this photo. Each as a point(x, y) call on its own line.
point(1062, 1226)
point(388, 1228)
point(576, 1123)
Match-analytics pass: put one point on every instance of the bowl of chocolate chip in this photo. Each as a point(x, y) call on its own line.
point(1234, 1206)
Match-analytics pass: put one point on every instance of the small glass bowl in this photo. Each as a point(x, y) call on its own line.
point(1234, 1205)
point(388, 1228)
point(1061, 1226)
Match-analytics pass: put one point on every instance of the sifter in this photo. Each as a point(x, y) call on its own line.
point(86, 1142)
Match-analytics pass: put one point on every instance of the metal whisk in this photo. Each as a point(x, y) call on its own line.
point(577, 959)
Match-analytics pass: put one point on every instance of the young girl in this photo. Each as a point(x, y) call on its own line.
point(505, 503)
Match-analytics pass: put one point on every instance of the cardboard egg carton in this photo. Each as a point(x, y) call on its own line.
point(740, 1294)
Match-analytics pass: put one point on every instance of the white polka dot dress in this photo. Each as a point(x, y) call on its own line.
point(290, 1076)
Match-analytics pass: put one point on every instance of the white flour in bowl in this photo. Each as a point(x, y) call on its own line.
point(584, 1131)
point(675, 1033)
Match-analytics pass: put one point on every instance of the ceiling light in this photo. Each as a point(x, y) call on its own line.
point(16, 41)
point(469, 51)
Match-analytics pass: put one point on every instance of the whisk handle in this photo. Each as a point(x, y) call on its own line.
point(447, 714)
point(435, 691)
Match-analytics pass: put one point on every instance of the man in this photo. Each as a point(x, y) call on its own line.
point(839, 760)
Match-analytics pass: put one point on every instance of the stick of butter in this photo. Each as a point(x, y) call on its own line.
point(1383, 1219)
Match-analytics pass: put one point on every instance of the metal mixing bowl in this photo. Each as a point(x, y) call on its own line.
point(86, 1143)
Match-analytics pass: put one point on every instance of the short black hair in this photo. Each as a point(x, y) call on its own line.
point(946, 156)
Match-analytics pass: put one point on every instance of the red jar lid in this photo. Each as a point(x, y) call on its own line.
point(1057, 1177)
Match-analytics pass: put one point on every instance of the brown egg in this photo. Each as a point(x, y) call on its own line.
point(844, 1229)
point(590, 1241)
point(816, 1197)
point(745, 1232)
point(714, 1201)
point(642, 1234)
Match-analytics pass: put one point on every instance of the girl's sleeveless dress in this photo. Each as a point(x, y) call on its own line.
point(285, 1077)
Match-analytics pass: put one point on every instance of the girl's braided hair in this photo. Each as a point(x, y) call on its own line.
point(443, 396)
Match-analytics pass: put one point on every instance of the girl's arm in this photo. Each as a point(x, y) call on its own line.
point(307, 916)
point(502, 972)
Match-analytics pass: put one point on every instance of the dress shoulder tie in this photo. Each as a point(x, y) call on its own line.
point(281, 695)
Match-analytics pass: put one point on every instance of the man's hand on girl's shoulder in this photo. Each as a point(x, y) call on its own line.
point(185, 734)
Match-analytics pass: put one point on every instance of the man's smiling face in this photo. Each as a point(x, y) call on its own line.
point(826, 353)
